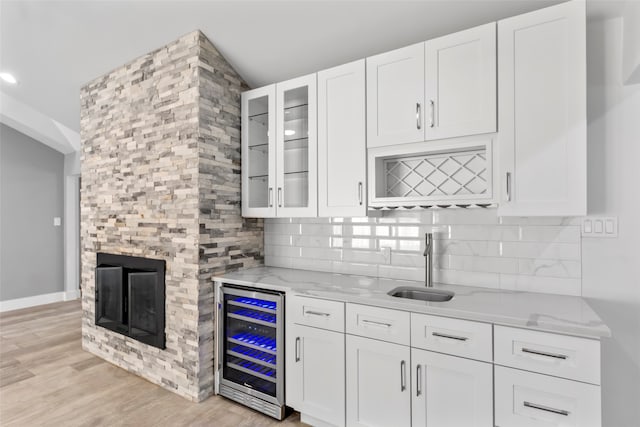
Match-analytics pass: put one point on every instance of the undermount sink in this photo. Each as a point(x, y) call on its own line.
point(422, 294)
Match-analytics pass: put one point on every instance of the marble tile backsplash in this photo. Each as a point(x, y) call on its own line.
point(472, 247)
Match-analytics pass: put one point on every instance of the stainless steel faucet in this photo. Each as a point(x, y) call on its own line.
point(428, 258)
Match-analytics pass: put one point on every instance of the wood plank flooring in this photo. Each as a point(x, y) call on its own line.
point(47, 379)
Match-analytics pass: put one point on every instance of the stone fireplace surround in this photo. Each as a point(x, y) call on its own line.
point(161, 179)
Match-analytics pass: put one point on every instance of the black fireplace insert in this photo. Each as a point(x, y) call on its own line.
point(130, 293)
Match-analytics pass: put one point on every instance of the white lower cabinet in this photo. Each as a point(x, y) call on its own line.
point(315, 376)
point(378, 383)
point(450, 391)
point(527, 399)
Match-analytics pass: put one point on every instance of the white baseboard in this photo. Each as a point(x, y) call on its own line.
point(18, 303)
point(71, 295)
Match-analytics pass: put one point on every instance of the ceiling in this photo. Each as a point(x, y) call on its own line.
point(54, 47)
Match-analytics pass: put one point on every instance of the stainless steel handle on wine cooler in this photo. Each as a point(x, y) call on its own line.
point(418, 380)
point(403, 375)
point(280, 197)
point(270, 197)
point(297, 349)
point(418, 121)
point(360, 193)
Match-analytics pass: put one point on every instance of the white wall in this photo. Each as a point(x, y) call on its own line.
point(631, 43)
point(611, 267)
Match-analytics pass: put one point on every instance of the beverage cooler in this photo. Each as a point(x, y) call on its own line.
point(251, 348)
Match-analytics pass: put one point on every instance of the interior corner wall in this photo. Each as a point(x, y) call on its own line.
point(611, 267)
point(31, 193)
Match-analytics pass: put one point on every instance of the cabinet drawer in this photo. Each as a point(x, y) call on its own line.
point(318, 313)
point(453, 336)
point(379, 323)
point(529, 400)
point(559, 355)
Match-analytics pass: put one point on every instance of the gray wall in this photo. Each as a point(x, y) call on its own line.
point(31, 195)
point(611, 267)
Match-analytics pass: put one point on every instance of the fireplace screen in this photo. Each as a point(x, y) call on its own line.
point(130, 297)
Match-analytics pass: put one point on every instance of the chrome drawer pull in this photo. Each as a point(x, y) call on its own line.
point(418, 380)
point(317, 313)
point(542, 353)
point(418, 114)
point(297, 355)
point(545, 408)
point(403, 376)
point(452, 337)
point(372, 322)
point(433, 112)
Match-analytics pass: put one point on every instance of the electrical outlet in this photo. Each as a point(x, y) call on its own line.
point(57, 221)
point(599, 226)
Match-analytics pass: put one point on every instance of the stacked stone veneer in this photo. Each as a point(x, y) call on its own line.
point(161, 179)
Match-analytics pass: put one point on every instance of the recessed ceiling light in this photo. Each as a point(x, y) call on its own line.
point(8, 77)
point(289, 132)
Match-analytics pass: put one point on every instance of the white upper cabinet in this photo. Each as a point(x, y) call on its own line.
point(296, 148)
point(395, 96)
point(342, 141)
point(460, 83)
point(259, 152)
point(542, 112)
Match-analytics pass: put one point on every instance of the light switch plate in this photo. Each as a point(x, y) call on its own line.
point(599, 226)
point(57, 221)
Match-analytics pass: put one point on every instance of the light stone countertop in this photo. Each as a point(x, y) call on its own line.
point(547, 312)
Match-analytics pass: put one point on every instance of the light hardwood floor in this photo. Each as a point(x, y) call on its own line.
point(47, 379)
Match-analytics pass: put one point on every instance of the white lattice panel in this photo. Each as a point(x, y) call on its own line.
point(449, 175)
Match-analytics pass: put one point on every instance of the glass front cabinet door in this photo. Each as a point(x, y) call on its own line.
point(279, 150)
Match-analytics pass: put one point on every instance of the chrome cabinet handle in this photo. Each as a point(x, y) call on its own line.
point(432, 113)
point(317, 313)
point(451, 337)
point(270, 197)
point(544, 353)
point(279, 196)
point(297, 349)
point(418, 121)
point(508, 194)
point(418, 380)
point(545, 408)
point(373, 322)
point(360, 193)
point(403, 375)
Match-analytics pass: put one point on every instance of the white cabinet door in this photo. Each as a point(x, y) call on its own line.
point(527, 399)
point(450, 391)
point(460, 72)
point(378, 383)
point(342, 155)
point(395, 96)
point(316, 373)
point(296, 148)
point(259, 152)
point(542, 112)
